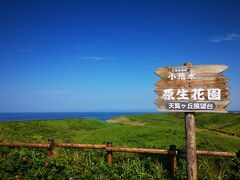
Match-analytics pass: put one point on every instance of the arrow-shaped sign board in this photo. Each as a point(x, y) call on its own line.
point(192, 88)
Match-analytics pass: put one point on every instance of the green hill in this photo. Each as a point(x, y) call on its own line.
point(214, 132)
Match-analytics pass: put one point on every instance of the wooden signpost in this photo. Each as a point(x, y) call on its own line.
point(192, 89)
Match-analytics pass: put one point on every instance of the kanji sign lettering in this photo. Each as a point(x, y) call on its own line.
point(191, 106)
point(192, 88)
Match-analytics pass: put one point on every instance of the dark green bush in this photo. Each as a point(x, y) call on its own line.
point(89, 164)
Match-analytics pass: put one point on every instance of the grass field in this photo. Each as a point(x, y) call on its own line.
point(214, 132)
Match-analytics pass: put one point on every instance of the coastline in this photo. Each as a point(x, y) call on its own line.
point(103, 116)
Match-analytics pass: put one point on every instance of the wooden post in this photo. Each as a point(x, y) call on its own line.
point(173, 162)
point(109, 153)
point(190, 141)
point(191, 146)
point(51, 147)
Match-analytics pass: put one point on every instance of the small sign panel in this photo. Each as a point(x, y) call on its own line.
point(191, 106)
point(192, 89)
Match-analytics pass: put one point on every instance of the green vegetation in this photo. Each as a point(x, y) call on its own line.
point(214, 132)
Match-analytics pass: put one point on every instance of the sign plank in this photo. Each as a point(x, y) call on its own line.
point(189, 84)
point(221, 80)
point(200, 106)
point(196, 76)
point(164, 84)
point(196, 69)
point(223, 95)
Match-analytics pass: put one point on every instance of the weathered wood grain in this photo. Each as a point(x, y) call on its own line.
point(199, 76)
point(165, 84)
point(224, 93)
point(190, 134)
point(203, 76)
point(196, 69)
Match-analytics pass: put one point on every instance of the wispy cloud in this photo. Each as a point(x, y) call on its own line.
point(83, 48)
point(96, 58)
point(226, 37)
point(89, 46)
point(50, 92)
point(24, 50)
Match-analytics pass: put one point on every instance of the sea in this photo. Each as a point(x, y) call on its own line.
point(62, 115)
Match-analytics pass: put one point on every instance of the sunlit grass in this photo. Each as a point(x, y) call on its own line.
point(148, 130)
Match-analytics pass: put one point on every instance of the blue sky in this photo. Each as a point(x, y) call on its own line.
point(100, 55)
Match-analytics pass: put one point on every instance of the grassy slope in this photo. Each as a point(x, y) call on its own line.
point(223, 123)
point(159, 130)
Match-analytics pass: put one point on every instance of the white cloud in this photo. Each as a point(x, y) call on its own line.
point(83, 48)
point(95, 58)
point(226, 37)
point(50, 92)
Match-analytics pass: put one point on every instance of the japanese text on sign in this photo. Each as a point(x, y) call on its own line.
point(197, 94)
point(182, 76)
point(192, 88)
point(191, 106)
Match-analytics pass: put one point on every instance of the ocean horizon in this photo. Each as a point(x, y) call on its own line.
point(24, 116)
